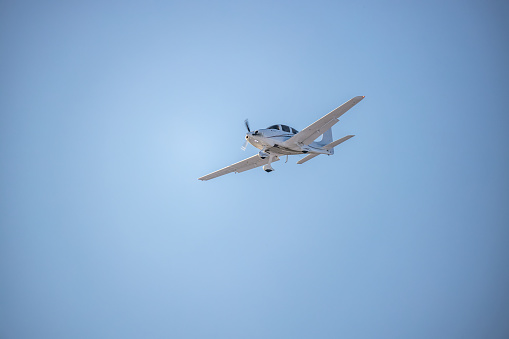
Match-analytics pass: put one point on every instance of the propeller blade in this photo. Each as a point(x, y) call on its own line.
point(246, 122)
point(244, 146)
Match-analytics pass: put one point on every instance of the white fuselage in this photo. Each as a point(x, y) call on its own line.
point(272, 141)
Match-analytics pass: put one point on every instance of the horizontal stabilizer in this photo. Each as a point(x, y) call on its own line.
point(306, 158)
point(337, 142)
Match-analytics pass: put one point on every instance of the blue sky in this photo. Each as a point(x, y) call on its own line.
point(111, 111)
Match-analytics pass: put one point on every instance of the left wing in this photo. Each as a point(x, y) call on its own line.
point(241, 166)
point(313, 131)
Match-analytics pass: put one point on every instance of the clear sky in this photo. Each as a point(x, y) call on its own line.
point(111, 110)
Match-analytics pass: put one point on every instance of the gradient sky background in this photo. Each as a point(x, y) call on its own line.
point(110, 111)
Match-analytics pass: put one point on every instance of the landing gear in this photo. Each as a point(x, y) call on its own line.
point(268, 168)
point(262, 154)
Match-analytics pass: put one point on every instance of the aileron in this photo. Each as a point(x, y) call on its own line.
point(238, 167)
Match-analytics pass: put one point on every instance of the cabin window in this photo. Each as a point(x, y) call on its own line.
point(294, 131)
point(273, 127)
point(285, 128)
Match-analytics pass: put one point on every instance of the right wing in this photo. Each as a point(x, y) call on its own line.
point(241, 166)
point(313, 131)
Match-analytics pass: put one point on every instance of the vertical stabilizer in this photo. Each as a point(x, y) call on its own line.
point(326, 137)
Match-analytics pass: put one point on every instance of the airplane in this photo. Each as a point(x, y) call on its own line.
point(279, 140)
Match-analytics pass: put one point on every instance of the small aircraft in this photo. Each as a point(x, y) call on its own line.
point(279, 140)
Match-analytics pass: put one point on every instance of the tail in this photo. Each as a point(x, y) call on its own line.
point(326, 138)
point(337, 142)
point(330, 146)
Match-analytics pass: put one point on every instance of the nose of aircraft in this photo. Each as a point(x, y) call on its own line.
point(251, 134)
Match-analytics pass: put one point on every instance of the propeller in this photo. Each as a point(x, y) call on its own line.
point(246, 122)
point(244, 146)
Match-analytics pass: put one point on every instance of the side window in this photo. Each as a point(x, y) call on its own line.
point(294, 131)
point(285, 128)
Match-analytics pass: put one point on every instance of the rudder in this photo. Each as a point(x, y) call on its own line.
point(326, 137)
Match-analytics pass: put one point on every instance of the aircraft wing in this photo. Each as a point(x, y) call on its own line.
point(313, 131)
point(241, 166)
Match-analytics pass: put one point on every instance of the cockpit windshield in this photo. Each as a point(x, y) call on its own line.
point(285, 128)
